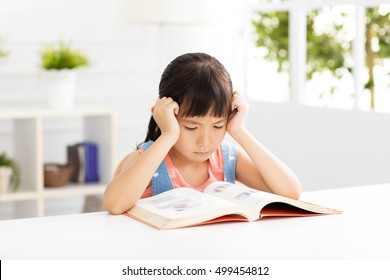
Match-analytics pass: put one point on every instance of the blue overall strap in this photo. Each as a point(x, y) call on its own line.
point(161, 182)
point(229, 152)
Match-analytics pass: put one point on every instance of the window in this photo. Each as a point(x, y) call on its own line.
point(377, 47)
point(329, 79)
point(268, 73)
point(321, 53)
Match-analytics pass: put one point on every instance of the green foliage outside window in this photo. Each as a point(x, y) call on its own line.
point(325, 51)
point(377, 30)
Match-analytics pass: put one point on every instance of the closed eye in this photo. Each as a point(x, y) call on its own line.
point(218, 126)
point(190, 128)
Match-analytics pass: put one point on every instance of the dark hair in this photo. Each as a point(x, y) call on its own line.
point(199, 83)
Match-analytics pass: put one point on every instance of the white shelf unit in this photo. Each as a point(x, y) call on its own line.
point(27, 132)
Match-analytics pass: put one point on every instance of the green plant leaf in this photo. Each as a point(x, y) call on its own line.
point(16, 173)
point(61, 56)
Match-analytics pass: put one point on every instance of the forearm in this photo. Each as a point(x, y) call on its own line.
point(278, 177)
point(128, 186)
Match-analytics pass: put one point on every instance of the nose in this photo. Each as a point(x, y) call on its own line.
point(203, 139)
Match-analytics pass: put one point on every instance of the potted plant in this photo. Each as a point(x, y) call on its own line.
point(9, 174)
point(59, 62)
point(3, 53)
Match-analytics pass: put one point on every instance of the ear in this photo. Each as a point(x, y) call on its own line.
point(152, 109)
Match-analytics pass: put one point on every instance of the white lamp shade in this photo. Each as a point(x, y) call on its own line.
point(174, 11)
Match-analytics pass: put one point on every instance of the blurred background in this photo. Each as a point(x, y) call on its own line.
point(316, 74)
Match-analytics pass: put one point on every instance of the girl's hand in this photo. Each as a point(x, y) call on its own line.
point(164, 113)
point(237, 120)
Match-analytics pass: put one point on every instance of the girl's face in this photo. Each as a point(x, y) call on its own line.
point(199, 137)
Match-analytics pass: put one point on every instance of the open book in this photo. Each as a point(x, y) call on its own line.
point(220, 202)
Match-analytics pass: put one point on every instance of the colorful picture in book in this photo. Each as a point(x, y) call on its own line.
point(181, 205)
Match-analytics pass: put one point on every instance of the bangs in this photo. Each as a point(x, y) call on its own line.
point(201, 105)
point(206, 98)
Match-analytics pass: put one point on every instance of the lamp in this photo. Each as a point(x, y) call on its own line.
point(169, 11)
point(177, 13)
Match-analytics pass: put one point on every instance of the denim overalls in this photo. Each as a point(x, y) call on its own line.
point(161, 181)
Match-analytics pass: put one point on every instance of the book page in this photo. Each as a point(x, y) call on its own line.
point(220, 201)
point(256, 200)
point(250, 198)
point(181, 203)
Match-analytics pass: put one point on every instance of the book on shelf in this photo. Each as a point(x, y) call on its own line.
point(83, 157)
point(220, 202)
point(91, 161)
point(74, 155)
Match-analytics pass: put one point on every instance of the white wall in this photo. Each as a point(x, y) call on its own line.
point(327, 148)
point(126, 57)
point(127, 61)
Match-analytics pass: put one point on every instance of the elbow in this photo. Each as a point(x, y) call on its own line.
point(112, 206)
point(112, 209)
point(293, 191)
point(292, 194)
point(296, 191)
point(115, 210)
point(295, 195)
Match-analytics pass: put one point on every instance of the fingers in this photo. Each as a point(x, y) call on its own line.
point(236, 100)
point(165, 105)
point(165, 100)
point(239, 104)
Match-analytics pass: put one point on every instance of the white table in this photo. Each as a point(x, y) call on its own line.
point(362, 231)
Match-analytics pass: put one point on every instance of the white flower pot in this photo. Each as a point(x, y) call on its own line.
point(5, 175)
point(60, 88)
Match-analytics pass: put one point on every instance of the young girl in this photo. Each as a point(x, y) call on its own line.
point(184, 145)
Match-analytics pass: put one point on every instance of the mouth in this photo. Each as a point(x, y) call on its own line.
point(202, 153)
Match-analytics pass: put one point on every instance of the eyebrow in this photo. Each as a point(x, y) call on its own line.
point(198, 123)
